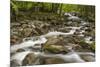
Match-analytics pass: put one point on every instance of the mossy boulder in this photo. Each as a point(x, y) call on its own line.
point(87, 47)
point(83, 44)
point(55, 45)
point(93, 46)
point(55, 49)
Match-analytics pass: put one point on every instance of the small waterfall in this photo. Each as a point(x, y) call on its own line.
point(19, 56)
point(28, 43)
point(41, 39)
point(68, 58)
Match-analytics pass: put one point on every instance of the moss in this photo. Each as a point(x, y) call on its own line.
point(83, 44)
point(93, 46)
point(50, 48)
point(54, 48)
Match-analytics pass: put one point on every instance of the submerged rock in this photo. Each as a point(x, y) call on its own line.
point(14, 63)
point(29, 59)
point(20, 50)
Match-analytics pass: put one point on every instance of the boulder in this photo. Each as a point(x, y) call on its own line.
point(88, 58)
point(52, 61)
point(14, 63)
point(27, 31)
point(29, 59)
point(24, 25)
point(15, 39)
point(20, 50)
point(55, 45)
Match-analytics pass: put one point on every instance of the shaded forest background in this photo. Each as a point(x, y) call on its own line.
point(28, 10)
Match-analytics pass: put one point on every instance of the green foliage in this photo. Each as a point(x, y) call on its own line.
point(57, 8)
point(70, 8)
point(14, 7)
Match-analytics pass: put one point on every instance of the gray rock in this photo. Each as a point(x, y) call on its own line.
point(14, 63)
point(27, 31)
point(88, 58)
point(29, 59)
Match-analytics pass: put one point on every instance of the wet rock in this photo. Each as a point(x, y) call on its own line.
point(53, 22)
point(77, 30)
point(55, 49)
point(92, 33)
point(87, 25)
point(14, 63)
point(20, 50)
point(29, 59)
point(27, 31)
point(15, 39)
point(53, 61)
point(64, 30)
point(55, 45)
point(45, 25)
point(72, 39)
point(27, 21)
point(89, 29)
point(38, 31)
point(85, 47)
point(76, 33)
point(88, 58)
point(13, 29)
point(23, 22)
point(24, 25)
point(19, 30)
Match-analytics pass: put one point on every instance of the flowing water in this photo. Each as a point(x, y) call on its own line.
point(30, 43)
